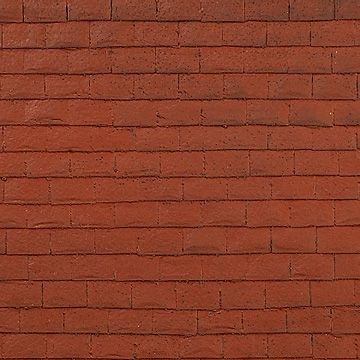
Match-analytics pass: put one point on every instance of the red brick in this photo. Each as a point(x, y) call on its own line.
point(85, 321)
point(255, 188)
point(245, 241)
point(293, 188)
point(176, 10)
point(23, 36)
point(266, 10)
point(220, 322)
point(27, 241)
point(134, 10)
point(317, 10)
point(244, 34)
point(111, 87)
point(267, 163)
point(341, 33)
point(160, 295)
point(290, 345)
point(24, 346)
point(200, 34)
point(11, 11)
point(312, 267)
point(347, 212)
point(287, 294)
point(293, 240)
point(347, 113)
point(349, 163)
point(304, 214)
point(109, 294)
point(348, 9)
point(245, 86)
point(309, 320)
point(346, 61)
point(175, 322)
point(45, 61)
point(221, 60)
point(41, 320)
point(332, 293)
point(331, 346)
point(44, 10)
point(343, 270)
point(264, 112)
point(290, 86)
point(20, 294)
point(309, 60)
point(22, 86)
point(136, 214)
point(107, 346)
point(155, 346)
point(338, 240)
point(26, 191)
point(268, 213)
point(205, 189)
point(72, 86)
point(155, 34)
point(64, 294)
point(67, 35)
point(89, 10)
point(308, 113)
point(156, 86)
point(246, 267)
point(68, 345)
point(215, 10)
point(316, 163)
point(9, 320)
point(177, 60)
point(105, 34)
point(194, 295)
point(247, 346)
point(335, 86)
point(200, 86)
point(288, 34)
point(264, 321)
point(89, 61)
point(180, 214)
point(130, 321)
point(229, 163)
point(204, 241)
point(346, 321)
point(243, 295)
point(182, 164)
point(180, 268)
point(133, 60)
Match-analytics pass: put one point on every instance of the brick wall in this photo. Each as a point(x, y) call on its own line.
point(179, 179)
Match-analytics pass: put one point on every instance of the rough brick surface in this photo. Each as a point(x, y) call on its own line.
point(179, 179)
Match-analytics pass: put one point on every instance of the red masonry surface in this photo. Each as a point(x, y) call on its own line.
point(179, 179)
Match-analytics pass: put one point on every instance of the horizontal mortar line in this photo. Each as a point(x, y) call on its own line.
point(220, 125)
point(185, 334)
point(184, 151)
point(176, 227)
point(164, 309)
point(175, 177)
point(200, 21)
point(177, 281)
point(183, 99)
point(172, 201)
point(187, 227)
point(155, 254)
point(180, 100)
